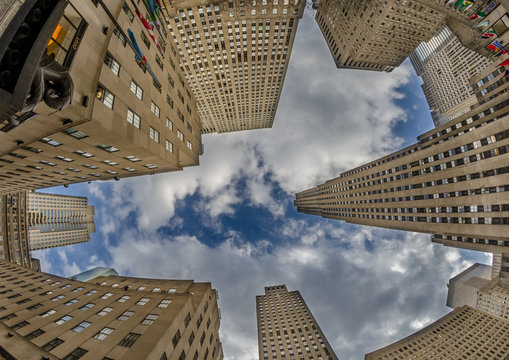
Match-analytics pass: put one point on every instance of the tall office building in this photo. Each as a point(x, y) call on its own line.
point(446, 67)
point(113, 317)
point(125, 118)
point(287, 329)
point(379, 35)
point(464, 333)
point(452, 183)
point(58, 220)
point(235, 55)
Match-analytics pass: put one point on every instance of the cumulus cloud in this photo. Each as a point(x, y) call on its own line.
point(328, 121)
point(360, 302)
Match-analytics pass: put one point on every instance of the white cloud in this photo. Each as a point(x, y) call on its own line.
point(359, 301)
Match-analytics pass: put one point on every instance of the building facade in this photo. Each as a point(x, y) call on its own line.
point(235, 56)
point(287, 329)
point(452, 183)
point(379, 35)
point(464, 333)
point(127, 117)
point(111, 317)
point(445, 67)
point(58, 220)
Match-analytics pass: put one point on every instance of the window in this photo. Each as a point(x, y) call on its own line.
point(48, 313)
point(154, 134)
point(90, 292)
point(107, 295)
point(52, 344)
point(104, 96)
point(84, 153)
point(128, 12)
point(169, 100)
point(164, 303)
point(136, 90)
point(129, 340)
point(172, 290)
point(141, 288)
point(75, 133)
point(73, 301)
point(76, 354)
point(34, 334)
point(63, 319)
point(180, 135)
point(143, 301)
point(103, 334)
point(176, 339)
point(189, 145)
point(56, 298)
point(81, 326)
point(133, 118)
point(20, 325)
point(132, 158)
point(107, 148)
point(155, 109)
point(149, 319)
point(120, 36)
point(159, 62)
point(124, 298)
point(170, 80)
point(50, 142)
point(87, 306)
point(169, 124)
point(125, 315)
point(112, 64)
point(145, 40)
point(105, 311)
point(187, 319)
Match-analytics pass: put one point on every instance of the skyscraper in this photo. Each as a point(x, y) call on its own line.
point(235, 55)
point(451, 183)
point(446, 67)
point(287, 329)
point(112, 317)
point(127, 117)
point(464, 333)
point(380, 35)
point(58, 220)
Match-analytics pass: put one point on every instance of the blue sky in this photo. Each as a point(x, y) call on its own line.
point(231, 220)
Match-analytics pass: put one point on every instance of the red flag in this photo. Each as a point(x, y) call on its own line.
point(504, 63)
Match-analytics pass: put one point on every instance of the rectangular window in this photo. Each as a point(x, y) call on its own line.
point(180, 135)
point(145, 40)
point(129, 340)
point(104, 96)
point(63, 319)
point(52, 344)
point(73, 301)
point(128, 12)
point(143, 301)
point(189, 145)
point(112, 64)
point(170, 80)
point(176, 339)
point(124, 298)
point(133, 118)
point(169, 124)
point(83, 153)
point(159, 62)
point(76, 354)
point(105, 311)
point(75, 133)
point(48, 313)
point(136, 90)
point(169, 100)
point(149, 319)
point(180, 115)
point(81, 326)
point(120, 36)
point(169, 146)
point(107, 295)
point(34, 334)
point(125, 315)
point(155, 109)
point(154, 134)
point(103, 334)
point(50, 142)
point(87, 306)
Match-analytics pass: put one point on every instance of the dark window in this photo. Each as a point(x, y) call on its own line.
point(52, 344)
point(76, 354)
point(129, 340)
point(34, 334)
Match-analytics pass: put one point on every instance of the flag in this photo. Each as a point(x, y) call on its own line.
point(450, 2)
point(149, 30)
point(477, 14)
point(466, 5)
point(504, 63)
point(490, 7)
point(484, 23)
point(488, 34)
point(459, 3)
point(138, 56)
point(498, 47)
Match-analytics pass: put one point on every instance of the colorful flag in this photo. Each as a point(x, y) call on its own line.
point(466, 5)
point(138, 56)
point(477, 14)
point(498, 47)
point(504, 63)
point(489, 34)
point(490, 7)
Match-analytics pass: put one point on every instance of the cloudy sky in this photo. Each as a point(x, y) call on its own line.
point(231, 220)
